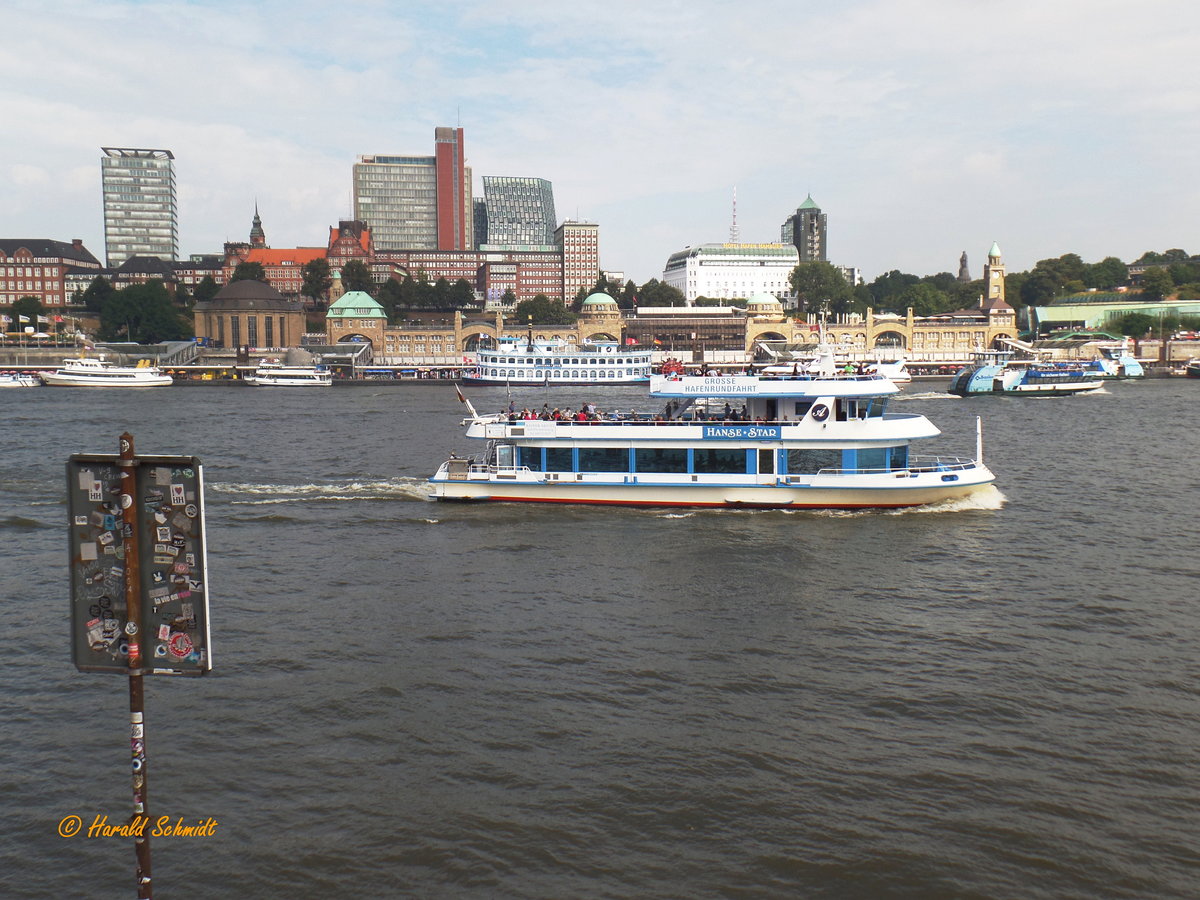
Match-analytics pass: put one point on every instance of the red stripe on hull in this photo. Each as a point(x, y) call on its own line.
point(660, 503)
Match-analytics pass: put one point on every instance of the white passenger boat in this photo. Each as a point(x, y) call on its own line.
point(87, 371)
point(895, 370)
point(526, 361)
point(998, 372)
point(19, 380)
point(819, 440)
point(271, 374)
point(1115, 362)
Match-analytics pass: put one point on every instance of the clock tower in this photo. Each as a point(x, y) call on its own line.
point(993, 279)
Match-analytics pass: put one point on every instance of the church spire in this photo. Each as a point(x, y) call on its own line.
point(258, 237)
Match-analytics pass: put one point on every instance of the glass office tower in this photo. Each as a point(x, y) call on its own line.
point(397, 197)
point(520, 211)
point(417, 202)
point(140, 213)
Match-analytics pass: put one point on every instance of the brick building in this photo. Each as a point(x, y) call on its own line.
point(45, 269)
point(559, 273)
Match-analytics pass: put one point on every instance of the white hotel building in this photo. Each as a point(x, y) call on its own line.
point(730, 271)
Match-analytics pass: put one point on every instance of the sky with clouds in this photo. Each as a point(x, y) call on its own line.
point(923, 128)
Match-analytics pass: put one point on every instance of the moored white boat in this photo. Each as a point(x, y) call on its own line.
point(270, 374)
point(895, 371)
point(19, 380)
point(88, 371)
point(520, 361)
point(820, 440)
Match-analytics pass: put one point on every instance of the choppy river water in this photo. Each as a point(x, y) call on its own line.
point(421, 700)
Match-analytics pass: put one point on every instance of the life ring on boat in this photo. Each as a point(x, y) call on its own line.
point(820, 412)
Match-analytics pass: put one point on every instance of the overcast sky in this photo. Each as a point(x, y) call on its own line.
point(923, 128)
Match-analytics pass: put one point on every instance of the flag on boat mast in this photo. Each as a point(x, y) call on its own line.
point(463, 398)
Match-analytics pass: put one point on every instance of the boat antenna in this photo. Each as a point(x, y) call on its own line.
point(529, 319)
point(979, 440)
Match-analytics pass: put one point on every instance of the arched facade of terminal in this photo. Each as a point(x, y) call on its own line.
point(716, 334)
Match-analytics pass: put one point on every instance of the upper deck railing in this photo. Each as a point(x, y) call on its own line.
point(656, 419)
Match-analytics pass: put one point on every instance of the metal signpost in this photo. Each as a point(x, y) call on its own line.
point(139, 584)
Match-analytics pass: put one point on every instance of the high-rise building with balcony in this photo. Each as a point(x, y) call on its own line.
point(417, 202)
point(520, 211)
point(140, 213)
point(807, 231)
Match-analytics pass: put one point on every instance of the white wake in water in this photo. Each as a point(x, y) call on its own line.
point(252, 494)
point(925, 395)
point(989, 498)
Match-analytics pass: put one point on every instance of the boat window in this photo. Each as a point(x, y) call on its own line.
point(899, 457)
point(603, 459)
point(660, 459)
point(719, 460)
point(559, 459)
point(504, 455)
point(809, 462)
point(802, 408)
point(530, 457)
point(872, 458)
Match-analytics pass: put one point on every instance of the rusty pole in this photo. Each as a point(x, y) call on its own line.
point(133, 631)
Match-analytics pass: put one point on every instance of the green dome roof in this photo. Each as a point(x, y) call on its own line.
point(809, 203)
point(994, 253)
point(598, 298)
point(355, 305)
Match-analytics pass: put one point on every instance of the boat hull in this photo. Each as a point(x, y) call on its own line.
point(1012, 387)
point(1054, 390)
point(20, 381)
point(286, 382)
point(866, 492)
point(54, 379)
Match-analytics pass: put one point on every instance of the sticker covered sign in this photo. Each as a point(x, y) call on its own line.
point(168, 495)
